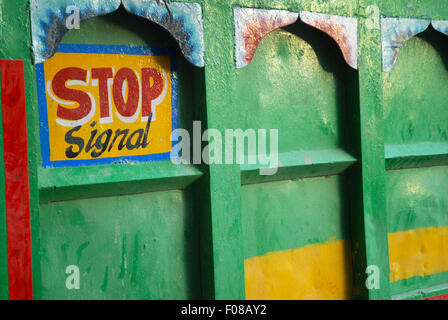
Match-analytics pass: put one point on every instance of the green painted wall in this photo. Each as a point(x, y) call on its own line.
point(418, 198)
point(416, 128)
point(354, 124)
point(130, 247)
point(292, 214)
point(415, 95)
point(141, 246)
point(298, 83)
point(295, 83)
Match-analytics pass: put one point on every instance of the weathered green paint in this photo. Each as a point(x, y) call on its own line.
point(417, 124)
point(416, 137)
point(298, 83)
point(414, 8)
point(131, 247)
point(369, 219)
point(336, 7)
point(417, 198)
point(295, 83)
point(225, 267)
point(61, 184)
point(415, 95)
point(414, 287)
point(334, 121)
point(300, 164)
point(416, 155)
point(292, 214)
point(270, 96)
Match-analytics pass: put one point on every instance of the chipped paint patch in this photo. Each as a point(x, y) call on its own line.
point(394, 33)
point(441, 26)
point(48, 21)
point(183, 21)
point(252, 25)
point(344, 30)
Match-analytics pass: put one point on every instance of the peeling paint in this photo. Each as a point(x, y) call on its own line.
point(183, 21)
point(48, 21)
point(441, 26)
point(344, 30)
point(252, 25)
point(394, 33)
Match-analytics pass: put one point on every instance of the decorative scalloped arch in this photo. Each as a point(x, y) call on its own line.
point(440, 25)
point(344, 30)
point(252, 25)
point(183, 21)
point(396, 31)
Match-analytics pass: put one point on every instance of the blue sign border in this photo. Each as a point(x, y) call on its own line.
point(102, 49)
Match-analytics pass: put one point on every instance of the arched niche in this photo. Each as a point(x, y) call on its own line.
point(415, 116)
point(128, 243)
point(415, 91)
point(298, 82)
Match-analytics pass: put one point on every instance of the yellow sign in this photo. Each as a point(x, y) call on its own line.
point(106, 104)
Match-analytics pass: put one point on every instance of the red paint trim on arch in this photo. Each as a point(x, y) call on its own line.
point(16, 180)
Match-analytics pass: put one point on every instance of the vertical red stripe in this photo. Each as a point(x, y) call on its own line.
point(442, 297)
point(16, 180)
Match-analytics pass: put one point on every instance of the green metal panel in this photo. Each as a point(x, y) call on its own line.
point(130, 247)
point(292, 214)
point(416, 124)
point(352, 144)
point(417, 198)
point(294, 84)
point(127, 247)
point(369, 220)
point(223, 264)
point(298, 83)
point(415, 93)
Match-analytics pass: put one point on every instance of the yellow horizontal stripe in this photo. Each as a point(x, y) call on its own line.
point(318, 271)
point(419, 252)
